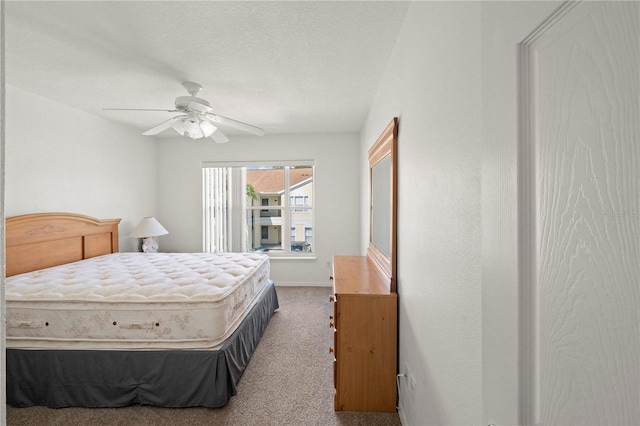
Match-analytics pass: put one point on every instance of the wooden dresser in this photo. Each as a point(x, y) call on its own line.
point(364, 323)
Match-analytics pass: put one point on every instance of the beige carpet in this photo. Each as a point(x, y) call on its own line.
point(288, 381)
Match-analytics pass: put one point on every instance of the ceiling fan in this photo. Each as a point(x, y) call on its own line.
point(197, 119)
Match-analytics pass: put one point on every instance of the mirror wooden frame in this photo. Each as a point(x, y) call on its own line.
point(385, 145)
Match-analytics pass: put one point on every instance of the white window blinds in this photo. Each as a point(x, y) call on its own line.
point(224, 203)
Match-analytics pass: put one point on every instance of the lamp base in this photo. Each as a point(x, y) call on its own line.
point(149, 245)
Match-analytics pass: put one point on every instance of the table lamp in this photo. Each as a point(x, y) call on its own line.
point(148, 228)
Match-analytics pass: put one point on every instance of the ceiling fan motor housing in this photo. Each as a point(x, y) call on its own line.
point(182, 102)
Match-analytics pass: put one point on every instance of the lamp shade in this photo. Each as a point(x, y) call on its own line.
point(148, 227)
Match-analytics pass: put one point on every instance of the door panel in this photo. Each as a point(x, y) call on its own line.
point(580, 217)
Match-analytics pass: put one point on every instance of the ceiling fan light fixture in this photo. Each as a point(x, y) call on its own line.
point(197, 134)
point(192, 127)
point(207, 128)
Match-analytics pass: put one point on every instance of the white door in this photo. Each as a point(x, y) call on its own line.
point(580, 218)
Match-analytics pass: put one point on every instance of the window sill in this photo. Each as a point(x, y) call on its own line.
point(297, 258)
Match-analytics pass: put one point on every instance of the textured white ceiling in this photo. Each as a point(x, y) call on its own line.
point(291, 66)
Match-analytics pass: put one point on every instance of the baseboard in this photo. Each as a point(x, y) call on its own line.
point(299, 284)
point(403, 419)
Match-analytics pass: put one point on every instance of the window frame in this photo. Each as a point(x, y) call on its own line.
point(286, 208)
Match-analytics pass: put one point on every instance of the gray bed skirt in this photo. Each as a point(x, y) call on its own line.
point(176, 378)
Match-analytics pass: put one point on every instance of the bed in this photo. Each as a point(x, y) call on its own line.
point(88, 326)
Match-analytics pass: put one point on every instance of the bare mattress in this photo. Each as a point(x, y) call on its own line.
point(135, 301)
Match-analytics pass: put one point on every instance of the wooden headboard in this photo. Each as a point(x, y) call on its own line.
point(42, 240)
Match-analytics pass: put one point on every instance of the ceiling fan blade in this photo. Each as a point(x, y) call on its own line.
point(237, 124)
point(219, 137)
point(139, 109)
point(163, 126)
point(178, 125)
point(206, 109)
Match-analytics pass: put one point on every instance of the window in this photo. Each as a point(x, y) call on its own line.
point(299, 201)
point(249, 206)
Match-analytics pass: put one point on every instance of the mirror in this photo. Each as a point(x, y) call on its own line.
point(383, 199)
point(381, 205)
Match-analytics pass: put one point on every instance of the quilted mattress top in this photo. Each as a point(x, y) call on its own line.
point(138, 277)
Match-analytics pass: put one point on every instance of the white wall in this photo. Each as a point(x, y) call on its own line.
point(336, 194)
point(61, 159)
point(432, 83)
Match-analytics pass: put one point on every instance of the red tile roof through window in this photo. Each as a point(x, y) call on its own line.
point(272, 180)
